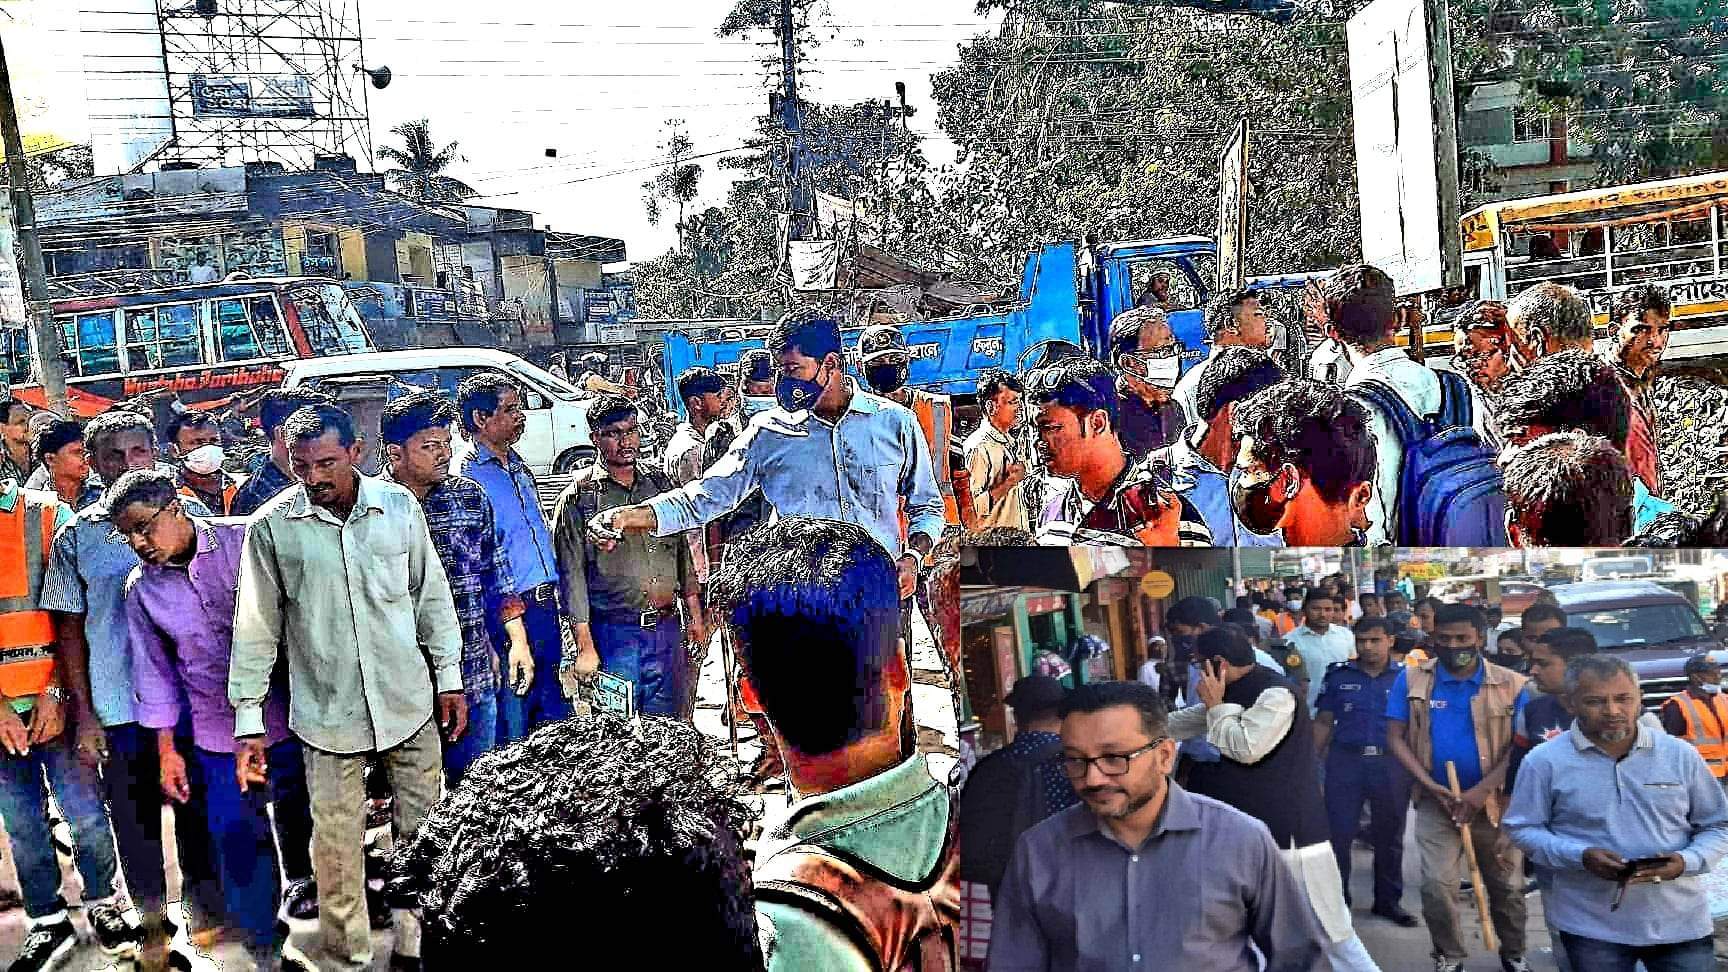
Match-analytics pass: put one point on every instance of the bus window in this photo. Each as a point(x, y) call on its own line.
point(15, 355)
point(234, 335)
point(267, 324)
point(331, 324)
point(90, 344)
point(163, 337)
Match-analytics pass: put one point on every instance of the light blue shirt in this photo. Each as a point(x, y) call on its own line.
point(1194, 476)
point(1659, 799)
point(87, 575)
point(858, 469)
point(516, 510)
point(1646, 506)
point(1320, 652)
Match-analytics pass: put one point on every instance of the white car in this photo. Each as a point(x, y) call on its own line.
point(557, 436)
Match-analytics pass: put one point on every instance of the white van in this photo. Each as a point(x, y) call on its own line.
point(556, 438)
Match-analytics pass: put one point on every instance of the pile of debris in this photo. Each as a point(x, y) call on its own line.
point(1692, 429)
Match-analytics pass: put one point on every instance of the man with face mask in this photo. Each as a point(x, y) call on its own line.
point(1148, 362)
point(755, 382)
point(829, 450)
point(887, 364)
point(1305, 465)
point(1202, 462)
point(197, 445)
point(1458, 708)
point(1641, 328)
point(1699, 713)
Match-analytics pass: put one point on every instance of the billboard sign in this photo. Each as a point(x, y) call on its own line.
point(1406, 142)
point(1233, 210)
point(256, 96)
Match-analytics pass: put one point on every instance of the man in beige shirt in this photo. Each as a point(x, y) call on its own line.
point(339, 574)
point(994, 470)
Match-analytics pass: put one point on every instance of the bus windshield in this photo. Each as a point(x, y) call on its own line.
point(331, 323)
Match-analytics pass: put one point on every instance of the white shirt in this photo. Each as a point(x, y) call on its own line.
point(1149, 673)
point(1320, 650)
point(1419, 387)
point(1187, 391)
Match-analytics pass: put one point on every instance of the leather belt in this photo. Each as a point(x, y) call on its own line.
point(546, 593)
point(1369, 750)
point(652, 617)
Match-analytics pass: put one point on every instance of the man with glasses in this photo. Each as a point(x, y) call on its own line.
point(1148, 362)
point(623, 601)
point(1143, 874)
point(1233, 320)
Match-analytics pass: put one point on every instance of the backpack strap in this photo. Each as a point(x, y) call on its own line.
point(1406, 424)
point(1456, 407)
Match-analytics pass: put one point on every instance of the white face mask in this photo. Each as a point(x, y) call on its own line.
point(1710, 688)
point(203, 460)
point(1163, 372)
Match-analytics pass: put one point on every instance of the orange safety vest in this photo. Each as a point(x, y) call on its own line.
point(1700, 733)
point(230, 489)
point(936, 414)
point(26, 631)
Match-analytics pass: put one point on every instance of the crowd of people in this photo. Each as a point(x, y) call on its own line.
point(1212, 805)
point(291, 656)
point(1527, 436)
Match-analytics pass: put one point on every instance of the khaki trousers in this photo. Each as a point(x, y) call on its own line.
point(338, 789)
point(1442, 855)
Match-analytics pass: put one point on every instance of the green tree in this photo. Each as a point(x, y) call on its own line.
point(420, 166)
point(678, 182)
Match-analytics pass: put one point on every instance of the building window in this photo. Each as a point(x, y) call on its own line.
point(323, 254)
point(1531, 126)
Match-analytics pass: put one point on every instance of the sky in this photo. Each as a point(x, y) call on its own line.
point(597, 82)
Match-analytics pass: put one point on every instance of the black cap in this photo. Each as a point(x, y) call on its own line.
point(1701, 662)
point(1036, 693)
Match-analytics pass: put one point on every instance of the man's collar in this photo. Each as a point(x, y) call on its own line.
point(1445, 673)
point(600, 472)
point(1384, 355)
point(1178, 813)
point(368, 498)
point(1646, 738)
point(485, 454)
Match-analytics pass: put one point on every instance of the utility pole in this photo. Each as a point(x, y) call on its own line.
point(50, 370)
point(798, 202)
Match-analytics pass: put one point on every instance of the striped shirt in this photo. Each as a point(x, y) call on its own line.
point(1067, 517)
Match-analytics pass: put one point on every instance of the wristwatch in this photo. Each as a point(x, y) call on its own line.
point(56, 693)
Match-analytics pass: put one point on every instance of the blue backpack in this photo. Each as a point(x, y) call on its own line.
point(1449, 493)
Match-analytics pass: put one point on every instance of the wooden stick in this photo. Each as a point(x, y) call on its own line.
point(726, 676)
point(1488, 937)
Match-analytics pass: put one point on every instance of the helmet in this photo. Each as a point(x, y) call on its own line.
point(881, 341)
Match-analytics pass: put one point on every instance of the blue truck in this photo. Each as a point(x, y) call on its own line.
point(1068, 292)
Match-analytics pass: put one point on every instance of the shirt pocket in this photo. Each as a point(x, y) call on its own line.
point(387, 568)
point(880, 486)
point(1668, 799)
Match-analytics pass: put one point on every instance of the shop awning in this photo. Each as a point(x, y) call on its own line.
point(1053, 568)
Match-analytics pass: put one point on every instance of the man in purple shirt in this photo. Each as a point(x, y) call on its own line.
point(180, 622)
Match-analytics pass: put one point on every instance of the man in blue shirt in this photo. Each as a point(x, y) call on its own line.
point(1622, 818)
point(1202, 461)
point(1457, 709)
point(493, 421)
point(1350, 731)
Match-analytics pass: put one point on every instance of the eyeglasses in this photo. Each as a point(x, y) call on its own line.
point(142, 529)
point(1110, 764)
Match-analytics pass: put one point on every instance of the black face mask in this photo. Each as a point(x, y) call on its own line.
point(1517, 663)
point(1255, 507)
point(1457, 658)
point(887, 378)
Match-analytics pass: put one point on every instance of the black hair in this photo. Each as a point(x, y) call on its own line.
point(610, 410)
point(1221, 310)
point(1314, 427)
point(1098, 696)
point(1637, 300)
point(1079, 384)
point(756, 364)
point(1569, 643)
point(1543, 612)
point(152, 487)
point(1363, 597)
point(413, 414)
point(1567, 489)
point(1242, 617)
point(1227, 641)
point(1318, 594)
point(799, 582)
point(1672, 529)
point(1125, 329)
point(1365, 625)
point(995, 380)
point(1461, 614)
point(54, 436)
point(1362, 303)
point(1195, 612)
point(188, 419)
point(1570, 391)
point(698, 381)
point(275, 405)
point(811, 333)
point(317, 421)
point(1515, 633)
point(1234, 374)
point(616, 819)
point(115, 422)
point(7, 404)
point(480, 392)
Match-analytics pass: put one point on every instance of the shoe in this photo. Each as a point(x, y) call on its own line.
point(1465, 887)
point(115, 935)
point(1396, 915)
point(1443, 964)
point(155, 934)
point(1514, 965)
point(300, 901)
point(290, 959)
point(45, 947)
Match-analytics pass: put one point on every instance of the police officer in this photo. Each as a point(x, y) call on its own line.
point(1350, 730)
point(623, 602)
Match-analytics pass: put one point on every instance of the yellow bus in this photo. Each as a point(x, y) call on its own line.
point(1603, 241)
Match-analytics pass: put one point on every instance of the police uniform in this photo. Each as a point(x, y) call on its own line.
point(1359, 767)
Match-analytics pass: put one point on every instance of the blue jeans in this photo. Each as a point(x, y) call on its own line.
point(24, 808)
point(477, 740)
point(519, 715)
point(1596, 955)
point(246, 845)
point(653, 659)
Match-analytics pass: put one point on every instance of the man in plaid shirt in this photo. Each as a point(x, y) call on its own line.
point(416, 435)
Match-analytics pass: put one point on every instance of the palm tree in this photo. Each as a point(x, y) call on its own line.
point(419, 170)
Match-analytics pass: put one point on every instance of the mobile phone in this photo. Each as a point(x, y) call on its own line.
point(1643, 864)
